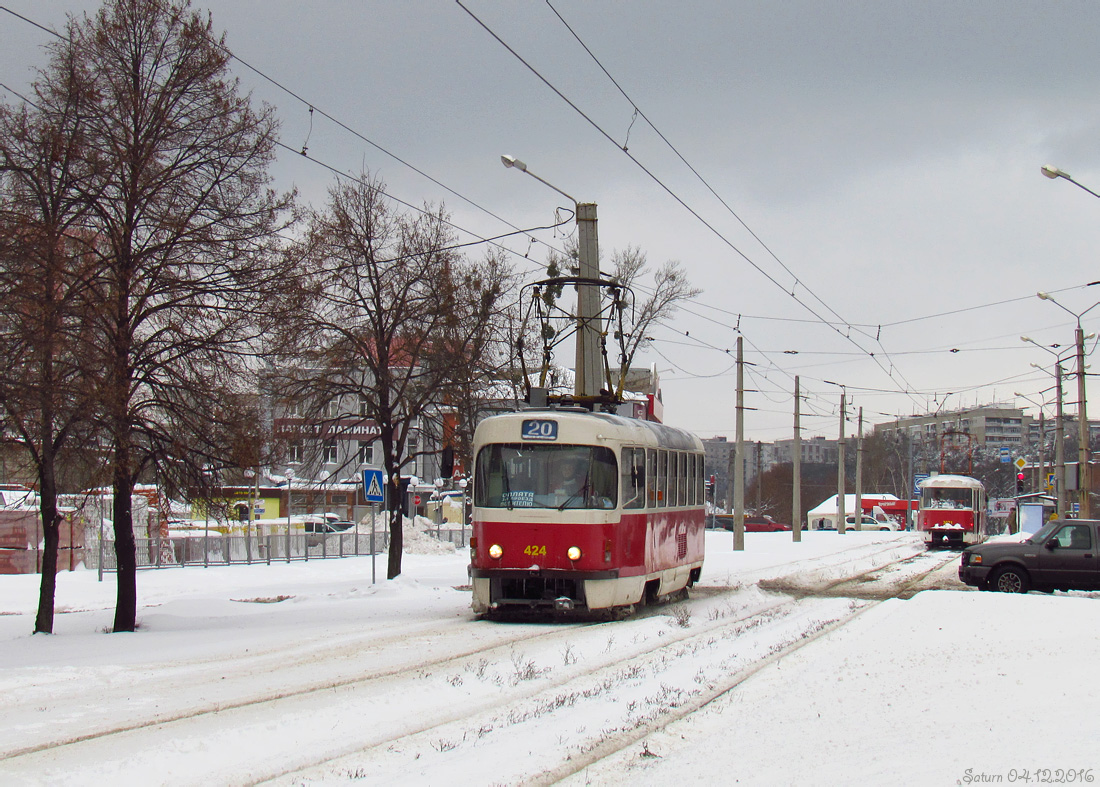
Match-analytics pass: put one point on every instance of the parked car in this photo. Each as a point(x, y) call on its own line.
point(326, 524)
point(1062, 555)
point(867, 521)
point(872, 523)
point(753, 524)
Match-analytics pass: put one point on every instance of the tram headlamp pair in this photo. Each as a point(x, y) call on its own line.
point(495, 551)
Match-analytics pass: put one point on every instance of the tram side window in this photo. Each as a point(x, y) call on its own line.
point(662, 479)
point(633, 477)
point(670, 479)
point(689, 479)
point(670, 487)
point(700, 481)
point(693, 463)
point(682, 479)
point(650, 478)
point(674, 478)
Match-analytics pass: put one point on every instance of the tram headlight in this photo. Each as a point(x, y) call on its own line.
point(495, 551)
point(573, 553)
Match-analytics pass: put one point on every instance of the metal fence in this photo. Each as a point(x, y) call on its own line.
point(216, 549)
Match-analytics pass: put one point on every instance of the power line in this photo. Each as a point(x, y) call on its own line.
point(889, 372)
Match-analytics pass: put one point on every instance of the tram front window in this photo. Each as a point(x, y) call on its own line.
point(512, 475)
point(948, 498)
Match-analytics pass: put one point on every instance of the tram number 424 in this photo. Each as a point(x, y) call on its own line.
point(534, 551)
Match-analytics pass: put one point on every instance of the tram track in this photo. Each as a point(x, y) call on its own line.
point(352, 649)
point(251, 719)
point(926, 565)
point(487, 689)
point(711, 645)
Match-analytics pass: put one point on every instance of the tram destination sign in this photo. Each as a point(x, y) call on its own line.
point(539, 429)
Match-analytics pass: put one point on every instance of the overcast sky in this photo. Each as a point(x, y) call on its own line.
point(886, 157)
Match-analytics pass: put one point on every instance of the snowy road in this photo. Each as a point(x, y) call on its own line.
point(429, 692)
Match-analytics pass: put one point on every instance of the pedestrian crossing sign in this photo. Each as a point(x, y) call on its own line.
point(372, 486)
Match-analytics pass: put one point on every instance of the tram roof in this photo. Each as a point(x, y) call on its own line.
point(617, 427)
point(955, 481)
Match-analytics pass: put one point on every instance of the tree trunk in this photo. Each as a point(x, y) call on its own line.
point(396, 534)
point(47, 505)
point(125, 549)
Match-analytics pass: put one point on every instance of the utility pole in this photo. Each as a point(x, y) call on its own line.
point(1059, 445)
point(1042, 449)
point(739, 456)
point(859, 473)
point(588, 375)
point(840, 471)
point(796, 461)
point(588, 366)
point(909, 524)
point(1082, 429)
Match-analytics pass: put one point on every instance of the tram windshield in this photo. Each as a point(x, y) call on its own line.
point(947, 497)
point(512, 475)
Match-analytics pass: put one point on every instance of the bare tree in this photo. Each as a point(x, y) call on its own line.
point(395, 320)
point(490, 379)
point(182, 222)
point(670, 288)
point(45, 276)
point(630, 319)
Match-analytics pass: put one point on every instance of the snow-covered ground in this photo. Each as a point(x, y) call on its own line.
point(784, 667)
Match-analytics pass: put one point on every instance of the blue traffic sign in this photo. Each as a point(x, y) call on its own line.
point(917, 478)
point(373, 490)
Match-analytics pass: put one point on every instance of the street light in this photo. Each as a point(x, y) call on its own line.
point(1054, 173)
point(1042, 435)
point(1059, 436)
point(1083, 453)
point(587, 378)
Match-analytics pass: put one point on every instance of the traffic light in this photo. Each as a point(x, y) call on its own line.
point(1019, 483)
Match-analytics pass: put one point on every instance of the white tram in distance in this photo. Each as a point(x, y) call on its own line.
point(952, 511)
point(583, 511)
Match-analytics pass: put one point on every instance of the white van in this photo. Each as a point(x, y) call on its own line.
point(876, 520)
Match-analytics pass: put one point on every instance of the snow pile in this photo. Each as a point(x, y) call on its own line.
point(418, 535)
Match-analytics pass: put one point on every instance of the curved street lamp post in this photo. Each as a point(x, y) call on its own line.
point(587, 375)
point(1083, 454)
point(1059, 433)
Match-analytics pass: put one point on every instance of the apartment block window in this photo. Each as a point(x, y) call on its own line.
point(294, 451)
point(330, 451)
point(366, 452)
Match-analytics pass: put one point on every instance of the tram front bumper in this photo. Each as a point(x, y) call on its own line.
point(535, 588)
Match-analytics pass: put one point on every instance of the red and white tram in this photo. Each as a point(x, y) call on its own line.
point(575, 510)
point(952, 511)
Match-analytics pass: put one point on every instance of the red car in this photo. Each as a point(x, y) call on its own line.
point(753, 524)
